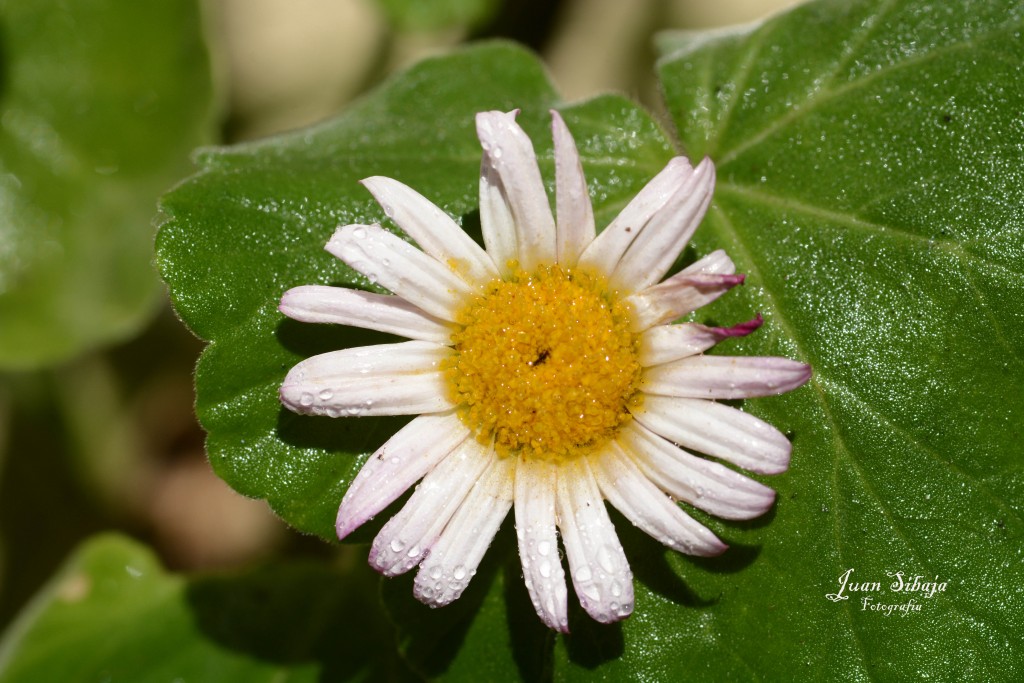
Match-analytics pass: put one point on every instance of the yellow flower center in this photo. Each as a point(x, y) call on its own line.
point(545, 364)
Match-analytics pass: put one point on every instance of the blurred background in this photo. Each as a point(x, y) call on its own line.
point(105, 438)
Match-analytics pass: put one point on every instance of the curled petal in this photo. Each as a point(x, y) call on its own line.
point(702, 483)
point(666, 343)
point(697, 285)
point(510, 153)
point(391, 314)
point(433, 229)
point(597, 563)
point(665, 236)
point(647, 507)
point(496, 221)
point(410, 535)
point(575, 214)
point(387, 379)
point(454, 559)
point(725, 377)
point(400, 267)
point(408, 455)
point(719, 430)
point(535, 497)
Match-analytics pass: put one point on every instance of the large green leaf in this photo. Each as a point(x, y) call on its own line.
point(100, 103)
point(870, 187)
point(870, 184)
point(114, 614)
point(254, 222)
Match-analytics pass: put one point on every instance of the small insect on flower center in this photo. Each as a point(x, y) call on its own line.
point(545, 364)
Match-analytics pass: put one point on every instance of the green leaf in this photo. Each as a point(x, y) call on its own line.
point(100, 103)
point(114, 614)
point(870, 185)
point(253, 223)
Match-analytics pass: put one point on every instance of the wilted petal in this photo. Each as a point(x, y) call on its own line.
point(666, 343)
point(434, 230)
point(685, 292)
point(597, 563)
point(649, 508)
point(408, 455)
point(401, 268)
point(725, 377)
point(511, 155)
point(538, 541)
point(575, 214)
point(387, 379)
point(707, 485)
point(717, 430)
point(410, 535)
point(454, 559)
point(381, 312)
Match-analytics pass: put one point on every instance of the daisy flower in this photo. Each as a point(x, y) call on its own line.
point(547, 377)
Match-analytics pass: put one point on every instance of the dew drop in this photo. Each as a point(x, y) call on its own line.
point(326, 395)
point(359, 233)
point(435, 571)
point(306, 400)
point(397, 545)
point(544, 547)
point(459, 572)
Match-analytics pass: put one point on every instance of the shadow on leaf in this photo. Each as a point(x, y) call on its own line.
point(299, 615)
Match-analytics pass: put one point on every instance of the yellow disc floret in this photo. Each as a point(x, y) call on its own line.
point(545, 364)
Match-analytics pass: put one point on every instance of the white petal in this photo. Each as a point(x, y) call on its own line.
point(604, 253)
point(496, 221)
point(719, 430)
point(408, 455)
point(597, 563)
point(410, 535)
point(393, 263)
point(666, 343)
point(572, 202)
point(725, 377)
point(432, 229)
point(387, 379)
point(511, 155)
point(538, 541)
point(649, 508)
point(697, 285)
point(391, 314)
point(659, 244)
point(708, 485)
point(454, 559)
